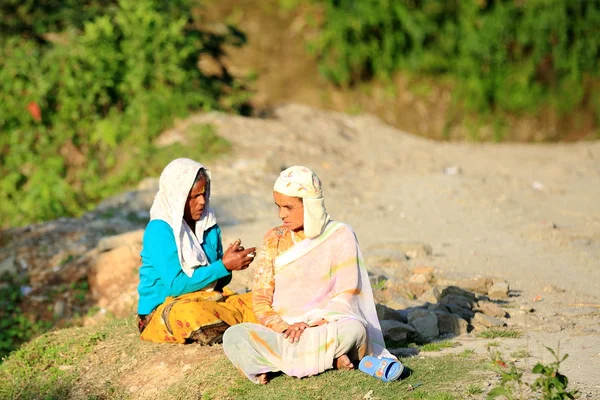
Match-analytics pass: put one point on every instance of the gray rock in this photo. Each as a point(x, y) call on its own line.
point(418, 313)
point(488, 321)
point(456, 291)
point(464, 313)
point(427, 326)
point(459, 301)
point(397, 331)
point(8, 265)
point(451, 323)
point(404, 351)
point(387, 313)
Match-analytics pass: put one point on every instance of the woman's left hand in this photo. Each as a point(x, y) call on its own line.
point(294, 331)
point(319, 323)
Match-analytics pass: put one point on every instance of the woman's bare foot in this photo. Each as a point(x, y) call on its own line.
point(263, 379)
point(343, 362)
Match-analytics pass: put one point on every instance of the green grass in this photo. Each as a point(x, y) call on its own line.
point(105, 361)
point(46, 367)
point(493, 333)
point(437, 346)
point(493, 343)
point(473, 389)
point(520, 353)
point(467, 353)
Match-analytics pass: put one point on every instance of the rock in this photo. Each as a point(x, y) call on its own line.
point(427, 326)
point(487, 321)
point(479, 285)
point(427, 272)
point(59, 308)
point(387, 313)
point(8, 266)
point(114, 277)
point(553, 289)
point(491, 309)
point(417, 289)
point(125, 239)
point(464, 313)
point(396, 331)
point(418, 279)
point(499, 290)
point(431, 296)
point(451, 323)
point(404, 351)
point(456, 291)
point(418, 313)
point(459, 301)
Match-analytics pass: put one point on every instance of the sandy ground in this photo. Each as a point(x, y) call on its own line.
point(527, 213)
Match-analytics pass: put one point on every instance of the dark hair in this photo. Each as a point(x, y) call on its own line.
point(202, 174)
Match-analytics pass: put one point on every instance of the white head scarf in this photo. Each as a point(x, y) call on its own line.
point(301, 182)
point(175, 183)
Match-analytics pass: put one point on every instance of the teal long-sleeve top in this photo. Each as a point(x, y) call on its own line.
point(161, 274)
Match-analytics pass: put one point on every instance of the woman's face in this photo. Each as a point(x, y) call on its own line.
point(194, 205)
point(291, 211)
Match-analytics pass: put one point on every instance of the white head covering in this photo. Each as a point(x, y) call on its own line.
point(175, 183)
point(301, 182)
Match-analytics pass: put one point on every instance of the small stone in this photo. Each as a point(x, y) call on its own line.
point(427, 326)
point(553, 289)
point(488, 321)
point(492, 310)
point(498, 290)
point(59, 308)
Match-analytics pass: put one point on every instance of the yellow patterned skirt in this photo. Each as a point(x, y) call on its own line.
point(199, 317)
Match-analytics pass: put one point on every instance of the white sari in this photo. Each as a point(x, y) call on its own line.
point(319, 278)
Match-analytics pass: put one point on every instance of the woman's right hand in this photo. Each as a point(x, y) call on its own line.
point(236, 257)
point(294, 331)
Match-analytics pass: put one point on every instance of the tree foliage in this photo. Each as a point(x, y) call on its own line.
point(84, 89)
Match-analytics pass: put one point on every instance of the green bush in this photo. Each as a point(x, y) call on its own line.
point(77, 104)
point(505, 55)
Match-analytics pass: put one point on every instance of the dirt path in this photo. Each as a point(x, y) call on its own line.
point(527, 213)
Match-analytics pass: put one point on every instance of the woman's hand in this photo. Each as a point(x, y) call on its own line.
point(237, 258)
point(294, 331)
point(319, 322)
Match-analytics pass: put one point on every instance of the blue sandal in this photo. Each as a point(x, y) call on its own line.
point(385, 368)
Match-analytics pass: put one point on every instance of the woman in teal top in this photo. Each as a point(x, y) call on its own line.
point(184, 269)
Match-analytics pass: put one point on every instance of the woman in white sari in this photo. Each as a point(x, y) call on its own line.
point(311, 292)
